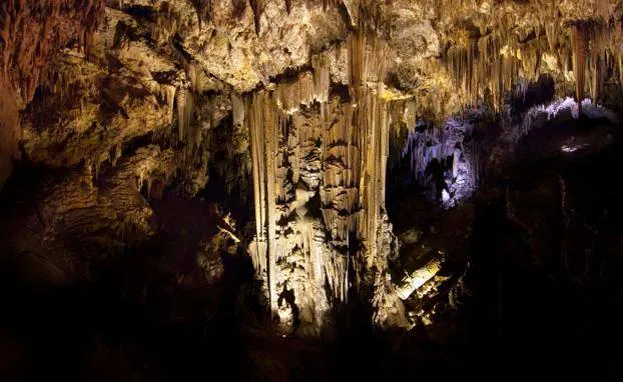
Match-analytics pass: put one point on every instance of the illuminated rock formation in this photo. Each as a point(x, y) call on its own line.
point(319, 182)
point(314, 94)
point(443, 161)
point(416, 279)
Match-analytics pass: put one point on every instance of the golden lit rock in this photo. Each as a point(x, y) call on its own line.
point(302, 98)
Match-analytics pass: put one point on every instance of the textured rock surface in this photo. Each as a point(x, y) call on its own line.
point(310, 97)
point(75, 215)
point(30, 34)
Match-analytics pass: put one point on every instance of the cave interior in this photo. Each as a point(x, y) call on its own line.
point(305, 190)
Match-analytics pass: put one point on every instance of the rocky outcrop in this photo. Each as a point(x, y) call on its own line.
point(73, 219)
point(95, 109)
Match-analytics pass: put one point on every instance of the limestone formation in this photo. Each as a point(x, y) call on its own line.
point(81, 214)
point(30, 34)
point(304, 100)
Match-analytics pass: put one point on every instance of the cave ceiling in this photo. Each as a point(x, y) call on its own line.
point(128, 65)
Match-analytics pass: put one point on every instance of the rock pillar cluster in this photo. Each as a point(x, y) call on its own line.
point(319, 166)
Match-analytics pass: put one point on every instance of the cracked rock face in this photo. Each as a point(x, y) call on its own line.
point(296, 101)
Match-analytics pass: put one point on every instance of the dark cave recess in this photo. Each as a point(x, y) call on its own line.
point(544, 272)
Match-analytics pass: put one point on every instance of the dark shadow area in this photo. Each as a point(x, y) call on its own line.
point(542, 293)
point(138, 313)
point(537, 250)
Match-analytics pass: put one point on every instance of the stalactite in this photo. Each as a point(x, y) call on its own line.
point(337, 153)
point(193, 71)
point(31, 36)
point(307, 88)
point(578, 41)
point(490, 63)
point(185, 112)
point(409, 114)
point(168, 94)
point(255, 125)
point(264, 121)
point(500, 60)
point(307, 144)
point(257, 6)
point(238, 109)
point(31, 33)
point(322, 80)
point(442, 144)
